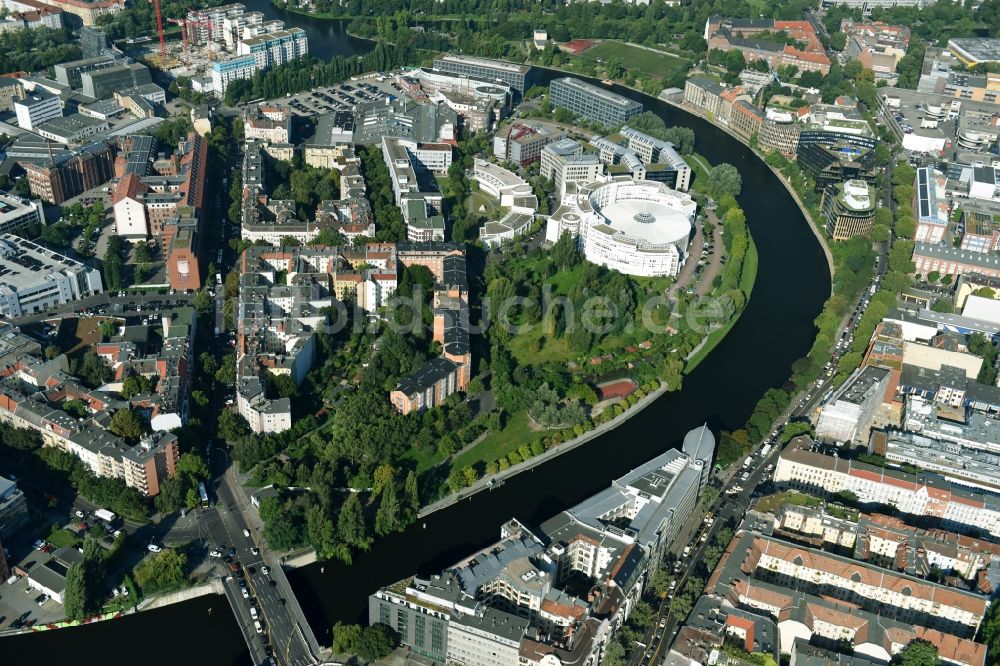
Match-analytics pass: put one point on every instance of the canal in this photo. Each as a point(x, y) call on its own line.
point(775, 329)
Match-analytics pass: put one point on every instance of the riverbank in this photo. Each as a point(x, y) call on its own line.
point(497, 480)
point(214, 586)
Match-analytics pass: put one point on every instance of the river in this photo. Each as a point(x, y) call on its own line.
point(775, 329)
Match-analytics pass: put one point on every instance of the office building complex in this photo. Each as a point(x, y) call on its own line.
point(518, 77)
point(930, 205)
point(631, 152)
point(71, 73)
point(849, 208)
point(37, 108)
point(164, 200)
point(69, 172)
point(512, 602)
point(514, 196)
point(522, 143)
point(592, 102)
point(93, 41)
point(101, 83)
point(636, 227)
point(72, 129)
point(35, 279)
point(564, 162)
point(975, 50)
point(411, 168)
point(17, 213)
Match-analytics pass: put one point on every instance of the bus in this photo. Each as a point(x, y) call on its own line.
point(203, 493)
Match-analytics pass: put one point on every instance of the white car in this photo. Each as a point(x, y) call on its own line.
point(124, 591)
point(79, 514)
point(118, 533)
point(245, 592)
point(153, 548)
point(246, 533)
point(216, 553)
point(253, 612)
point(265, 570)
point(114, 592)
point(255, 551)
point(256, 625)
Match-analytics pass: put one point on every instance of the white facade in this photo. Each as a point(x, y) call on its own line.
point(34, 279)
point(814, 471)
point(16, 212)
point(37, 108)
point(636, 227)
point(130, 218)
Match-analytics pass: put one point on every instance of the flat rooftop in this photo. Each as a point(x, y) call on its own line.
point(484, 62)
point(605, 95)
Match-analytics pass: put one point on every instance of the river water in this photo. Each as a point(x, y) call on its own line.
point(775, 329)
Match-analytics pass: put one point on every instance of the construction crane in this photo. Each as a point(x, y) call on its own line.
point(159, 30)
point(184, 38)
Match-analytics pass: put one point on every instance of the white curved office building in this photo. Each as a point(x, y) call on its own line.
point(636, 227)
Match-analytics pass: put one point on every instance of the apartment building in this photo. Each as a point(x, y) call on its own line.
point(431, 384)
point(838, 602)
point(917, 495)
point(88, 11)
point(592, 102)
point(268, 122)
point(35, 405)
point(521, 143)
point(255, 53)
point(13, 508)
point(35, 279)
point(509, 602)
point(743, 35)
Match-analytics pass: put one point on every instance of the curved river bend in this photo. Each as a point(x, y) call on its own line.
point(775, 329)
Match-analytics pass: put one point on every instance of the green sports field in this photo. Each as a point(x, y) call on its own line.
point(654, 63)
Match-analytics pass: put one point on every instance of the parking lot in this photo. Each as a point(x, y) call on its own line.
point(19, 607)
point(345, 96)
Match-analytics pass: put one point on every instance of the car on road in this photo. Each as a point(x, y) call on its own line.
point(254, 550)
point(245, 592)
point(253, 612)
point(153, 548)
point(246, 533)
point(215, 553)
point(79, 514)
point(265, 570)
point(232, 552)
point(257, 626)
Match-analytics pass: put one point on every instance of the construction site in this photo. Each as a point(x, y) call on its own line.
point(218, 45)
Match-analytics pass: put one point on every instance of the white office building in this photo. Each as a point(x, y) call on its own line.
point(37, 108)
point(636, 227)
point(16, 212)
point(34, 279)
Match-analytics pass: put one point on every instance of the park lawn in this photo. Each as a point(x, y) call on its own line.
point(652, 63)
point(524, 347)
point(63, 538)
point(495, 445)
point(421, 459)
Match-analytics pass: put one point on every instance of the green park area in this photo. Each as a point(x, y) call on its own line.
point(647, 61)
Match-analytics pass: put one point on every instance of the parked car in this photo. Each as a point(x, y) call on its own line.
point(245, 592)
point(153, 548)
